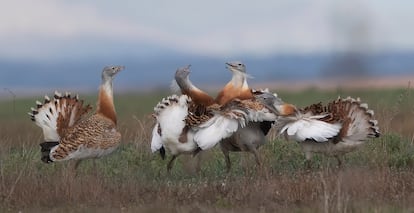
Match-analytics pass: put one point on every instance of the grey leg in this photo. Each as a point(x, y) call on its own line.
point(256, 156)
point(308, 162)
point(227, 159)
point(338, 158)
point(170, 163)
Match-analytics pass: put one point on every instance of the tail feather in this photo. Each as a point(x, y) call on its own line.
point(357, 119)
point(361, 122)
point(54, 117)
point(171, 113)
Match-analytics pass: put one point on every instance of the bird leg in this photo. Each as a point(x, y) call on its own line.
point(77, 162)
point(256, 156)
point(308, 161)
point(195, 152)
point(170, 163)
point(227, 159)
point(308, 164)
point(338, 158)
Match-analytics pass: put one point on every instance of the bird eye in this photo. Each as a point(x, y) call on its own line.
point(113, 68)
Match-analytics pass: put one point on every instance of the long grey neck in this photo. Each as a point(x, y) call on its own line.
point(184, 83)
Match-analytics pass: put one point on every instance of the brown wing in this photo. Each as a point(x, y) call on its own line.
point(97, 132)
point(72, 112)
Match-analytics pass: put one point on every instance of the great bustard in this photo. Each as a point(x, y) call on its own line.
point(186, 126)
point(237, 87)
point(253, 135)
point(337, 128)
point(69, 133)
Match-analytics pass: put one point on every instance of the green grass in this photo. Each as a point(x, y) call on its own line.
point(377, 177)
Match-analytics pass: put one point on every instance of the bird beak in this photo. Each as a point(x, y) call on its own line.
point(120, 68)
point(230, 66)
point(188, 68)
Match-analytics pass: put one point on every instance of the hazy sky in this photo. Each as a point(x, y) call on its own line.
point(57, 30)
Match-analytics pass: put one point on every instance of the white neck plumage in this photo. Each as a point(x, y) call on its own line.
point(106, 86)
point(239, 79)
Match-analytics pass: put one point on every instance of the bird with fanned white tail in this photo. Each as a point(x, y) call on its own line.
point(68, 129)
point(339, 127)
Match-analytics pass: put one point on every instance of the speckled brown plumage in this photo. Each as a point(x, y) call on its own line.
point(97, 132)
point(71, 104)
point(337, 111)
point(198, 114)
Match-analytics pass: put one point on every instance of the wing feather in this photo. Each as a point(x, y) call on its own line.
point(316, 130)
point(156, 142)
point(217, 128)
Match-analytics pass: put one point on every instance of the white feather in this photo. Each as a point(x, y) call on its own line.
point(319, 131)
point(156, 142)
point(171, 119)
point(46, 118)
point(213, 131)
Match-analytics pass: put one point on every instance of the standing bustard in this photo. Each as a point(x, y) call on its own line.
point(69, 133)
point(335, 129)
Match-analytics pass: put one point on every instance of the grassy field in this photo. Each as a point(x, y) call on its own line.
point(377, 178)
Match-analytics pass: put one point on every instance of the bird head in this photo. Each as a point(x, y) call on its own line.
point(276, 105)
point(183, 72)
point(109, 72)
point(236, 66)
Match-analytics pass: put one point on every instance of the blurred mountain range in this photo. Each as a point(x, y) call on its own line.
point(156, 72)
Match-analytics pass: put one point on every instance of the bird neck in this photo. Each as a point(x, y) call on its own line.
point(105, 105)
point(239, 80)
point(184, 84)
point(197, 95)
point(236, 88)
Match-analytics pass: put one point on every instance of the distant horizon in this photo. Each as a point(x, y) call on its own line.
point(367, 83)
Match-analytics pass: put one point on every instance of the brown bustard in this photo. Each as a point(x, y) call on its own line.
point(70, 133)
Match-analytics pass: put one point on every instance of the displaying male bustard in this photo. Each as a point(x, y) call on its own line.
point(69, 133)
point(334, 129)
point(187, 126)
point(253, 135)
